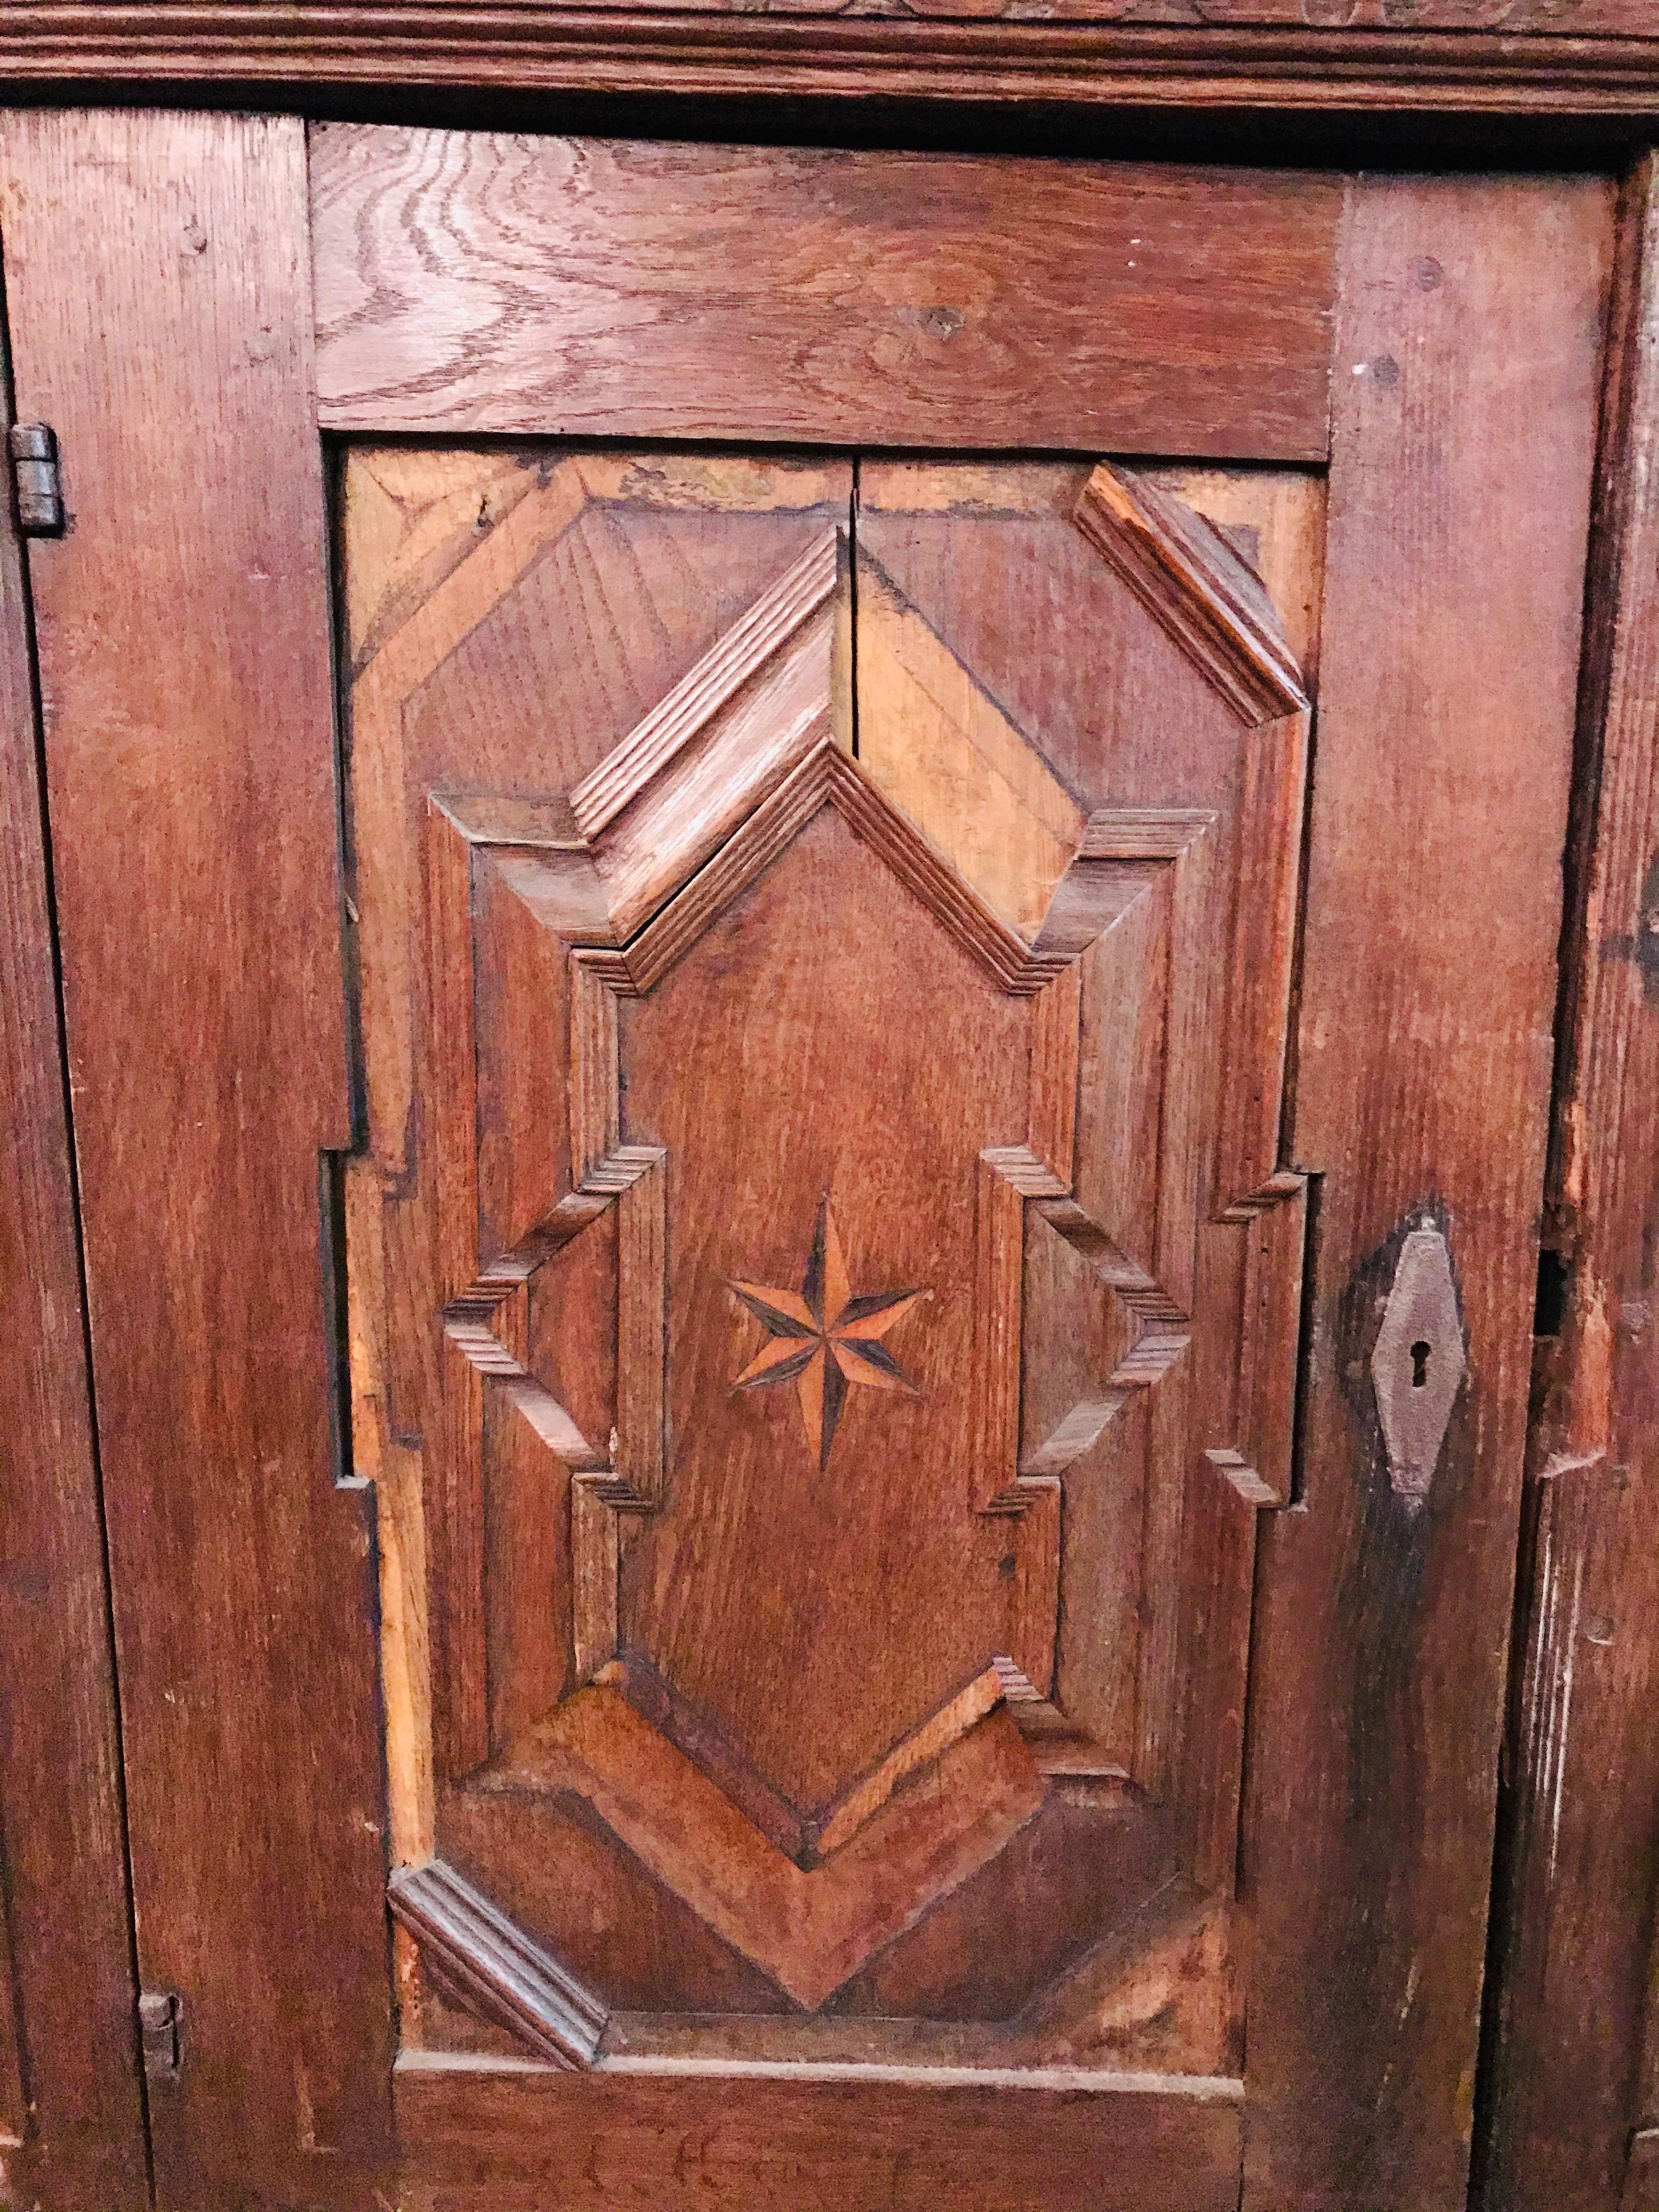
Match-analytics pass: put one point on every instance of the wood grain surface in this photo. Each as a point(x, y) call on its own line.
point(184, 642)
point(469, 282)
point(1463, 446)
point(631, 2141)
point(69, 2080)
point(1569, 2078)
point(189, 769)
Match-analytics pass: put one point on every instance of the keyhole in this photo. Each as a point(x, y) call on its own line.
point(1419, 1363)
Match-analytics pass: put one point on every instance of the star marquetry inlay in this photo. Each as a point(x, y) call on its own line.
point(822, 1338)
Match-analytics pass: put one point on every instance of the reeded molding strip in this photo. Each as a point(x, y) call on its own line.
point(1211, 602)
point(1437, 66)
point(506, 1977)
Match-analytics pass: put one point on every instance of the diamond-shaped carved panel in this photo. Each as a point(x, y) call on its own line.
point(779, 1101)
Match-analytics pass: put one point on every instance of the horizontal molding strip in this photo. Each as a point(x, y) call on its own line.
point(641, 51)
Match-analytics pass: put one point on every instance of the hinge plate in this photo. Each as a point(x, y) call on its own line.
point(37, 479)
point(161, 2014)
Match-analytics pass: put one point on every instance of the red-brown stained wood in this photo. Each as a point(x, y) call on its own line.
point(1570, 2079)
point(184, 643)
point(633, 2141)
point(1467, 382)
point(69, 2078)
point(469, 282)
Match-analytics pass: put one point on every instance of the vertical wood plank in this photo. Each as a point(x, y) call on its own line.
point(69, 2072)
point(1467, 389)
point(1581, 1811)
point(185, 659)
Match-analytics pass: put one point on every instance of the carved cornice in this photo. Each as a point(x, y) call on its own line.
point(1511, 71)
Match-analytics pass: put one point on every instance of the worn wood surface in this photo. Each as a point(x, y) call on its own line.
point(1534, 60)
point(1462, 451)
point(1581, 1805)
point(520, 2141)
point(468, 282)
point(68, 2078)
point(183, 644)
point(1451, 611)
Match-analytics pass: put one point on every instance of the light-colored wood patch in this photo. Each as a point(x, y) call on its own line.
point(395, 1471)
point(944, 753)
point(1275, 520)
point(412, 517)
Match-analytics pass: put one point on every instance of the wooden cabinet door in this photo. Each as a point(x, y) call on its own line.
point(828, 1255)
point(955, 774)
point(826, 949)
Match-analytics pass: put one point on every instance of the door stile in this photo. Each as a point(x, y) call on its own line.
point(1465, 400)
point(182, 631)
point(72, 2120)
point(1570, 2111)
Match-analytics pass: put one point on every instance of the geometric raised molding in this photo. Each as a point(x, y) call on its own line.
point(769, 795)
point(1214, 606)
point(731, 1048)
point(887, 1854)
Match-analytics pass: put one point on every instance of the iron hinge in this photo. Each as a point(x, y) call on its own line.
point(37, 480)
point(160, 2014)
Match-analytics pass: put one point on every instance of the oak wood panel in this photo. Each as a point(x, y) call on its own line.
point(793, 1772)
point(651, 557)
point(469, 282)
point(69, 2078)
point(467, 580)
point(1468, 360)
point(1541, 62)
point(519, 2140)
point(184, 641)
point(1569, 2077)
point(812, 1928)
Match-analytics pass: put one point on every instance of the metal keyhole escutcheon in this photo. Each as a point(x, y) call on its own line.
point(1419, 1361)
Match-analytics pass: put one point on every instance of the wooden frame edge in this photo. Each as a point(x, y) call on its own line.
point(1569, 2110)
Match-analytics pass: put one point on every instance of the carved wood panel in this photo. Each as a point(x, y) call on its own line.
point(825, 1286)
